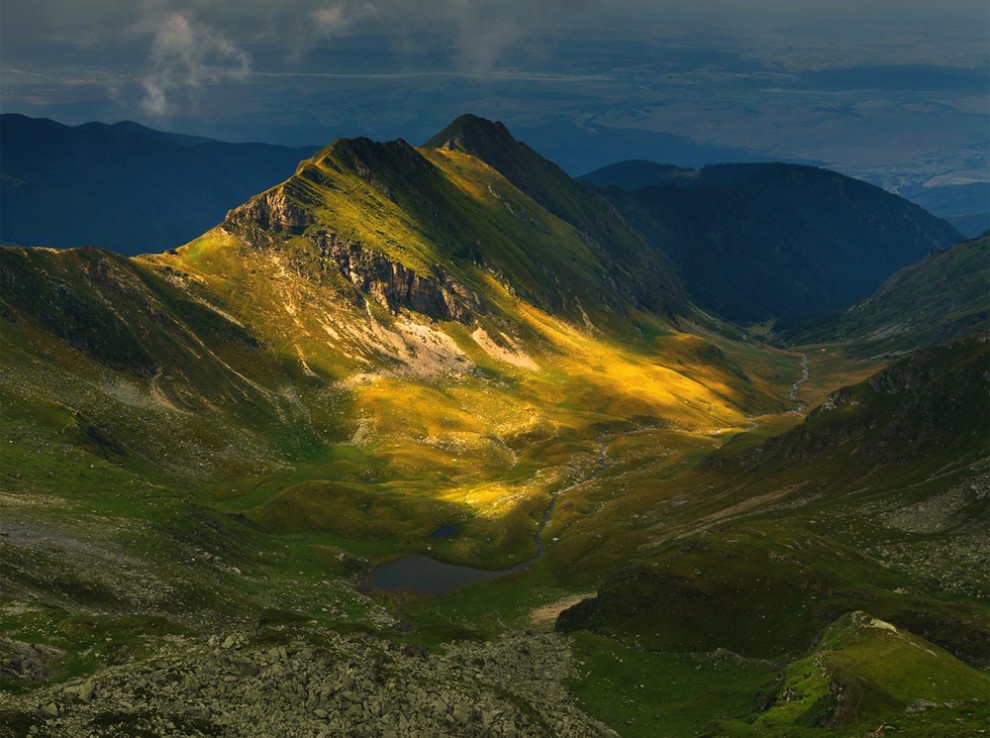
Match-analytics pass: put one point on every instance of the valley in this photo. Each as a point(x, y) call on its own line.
point(210, 453)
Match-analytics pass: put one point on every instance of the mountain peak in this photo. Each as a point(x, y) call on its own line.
point(550, 187)
point(492, 143)
point(471, 134)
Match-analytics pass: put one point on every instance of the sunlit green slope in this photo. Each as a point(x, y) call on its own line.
point(391, 322)
point(225, 439)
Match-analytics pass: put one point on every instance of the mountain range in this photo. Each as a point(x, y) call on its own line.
point(124, 187)
point(777, 242)
point(456, 361)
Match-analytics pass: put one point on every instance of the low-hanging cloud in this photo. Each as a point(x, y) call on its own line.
point(312, 25)
point(337, 18)
point(183, 56)
point(479, 35)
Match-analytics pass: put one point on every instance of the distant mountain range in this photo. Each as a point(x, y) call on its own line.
point(965, 206)
point(124, 187)
point(783, 242)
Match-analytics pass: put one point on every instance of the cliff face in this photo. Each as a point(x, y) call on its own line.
point(394, 285)
point(273, 211)
point(267, 219)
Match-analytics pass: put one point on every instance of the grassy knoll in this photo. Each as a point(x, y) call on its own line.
point(650, 694)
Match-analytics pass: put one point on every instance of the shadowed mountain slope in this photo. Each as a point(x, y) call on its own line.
point(757, 242)
point(943, 297)
point(124, 187)
point(965, 206)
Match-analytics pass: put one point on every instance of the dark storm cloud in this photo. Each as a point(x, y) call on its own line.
point(175, 46)
point(156, 56)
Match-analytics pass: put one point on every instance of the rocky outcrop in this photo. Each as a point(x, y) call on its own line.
point(301, 683)
point(267, 219)
point(395, 285)
point(273, 211)
point(26, 662)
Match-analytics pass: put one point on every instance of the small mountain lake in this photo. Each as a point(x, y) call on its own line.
point(444, 531)
point(426, 576)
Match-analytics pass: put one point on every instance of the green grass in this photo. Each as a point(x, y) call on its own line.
point(650, 694)
point(234, 433)
point(863, 670)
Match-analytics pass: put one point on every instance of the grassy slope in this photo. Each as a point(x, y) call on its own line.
point(316, 416)
point(942, 298)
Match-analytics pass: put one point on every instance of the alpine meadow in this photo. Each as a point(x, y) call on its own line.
point(441, 441)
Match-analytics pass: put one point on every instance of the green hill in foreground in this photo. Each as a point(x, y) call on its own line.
point(864, 671)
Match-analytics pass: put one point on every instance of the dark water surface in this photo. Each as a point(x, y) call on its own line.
point(445, 531)
point(423, 575)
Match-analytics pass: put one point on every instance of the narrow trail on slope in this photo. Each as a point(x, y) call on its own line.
point(805, 376)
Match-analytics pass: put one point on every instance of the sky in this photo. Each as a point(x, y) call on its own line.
point(893, 90)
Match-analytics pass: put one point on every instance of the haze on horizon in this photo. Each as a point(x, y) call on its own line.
point(893, 91)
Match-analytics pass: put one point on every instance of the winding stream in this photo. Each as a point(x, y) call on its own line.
point(805, 376)
point(423, 575)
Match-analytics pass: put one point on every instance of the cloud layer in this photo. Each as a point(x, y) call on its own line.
point(158, 55)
